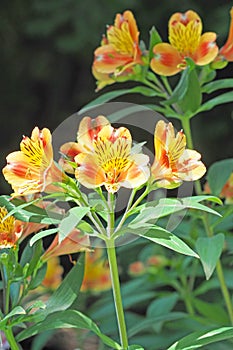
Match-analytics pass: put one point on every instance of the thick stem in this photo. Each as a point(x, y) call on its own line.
point(117, 293)
point(11, 339)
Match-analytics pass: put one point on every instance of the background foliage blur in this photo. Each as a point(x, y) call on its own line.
point(46, 56)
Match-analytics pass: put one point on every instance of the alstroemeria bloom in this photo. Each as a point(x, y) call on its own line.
point(119, 50)
point(10, 229)
point(32, 169)
point(227, 50)
point(185, 41)
point(73, 243)
point(97, 274)
point(87, 133)
point(174, 163)
point(111, 162)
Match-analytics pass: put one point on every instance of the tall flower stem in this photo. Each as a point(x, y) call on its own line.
point(11, 340)
point(225, 292)
point(111, 250)
point(112, 259)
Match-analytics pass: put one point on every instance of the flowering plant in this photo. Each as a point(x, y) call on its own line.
point(77, 197)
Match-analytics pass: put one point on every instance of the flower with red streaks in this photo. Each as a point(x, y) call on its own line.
point(119, 51)
point(32, 169)
point(87, 133)
point(111, 162)
point(173, 163)
point(186, 41)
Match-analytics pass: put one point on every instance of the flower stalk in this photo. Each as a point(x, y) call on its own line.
point(111, 250)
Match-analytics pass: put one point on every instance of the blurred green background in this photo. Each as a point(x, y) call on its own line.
point(46, 56)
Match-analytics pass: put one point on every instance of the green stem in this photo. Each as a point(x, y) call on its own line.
point(154, 87)
point(11, 339)
point(111, 250)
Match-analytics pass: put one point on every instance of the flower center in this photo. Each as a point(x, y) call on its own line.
point(121, 40)
point(34, 151)
point(113, 158)
point(185, 37)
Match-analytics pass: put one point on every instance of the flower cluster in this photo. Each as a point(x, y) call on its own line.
point(120, 52)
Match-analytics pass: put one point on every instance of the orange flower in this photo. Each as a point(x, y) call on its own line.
point(87, 133)
point(111, 163)
point(173, 163)
point(97, 274)
point(226, 52)
point(10, 229)
point(185, 41)
point(32, 169)
point(119, 50)
point(73, 243)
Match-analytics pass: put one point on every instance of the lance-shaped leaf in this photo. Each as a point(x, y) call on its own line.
point(218, 85)
point(73, 217)
point(198, 339)
point(209, 250)
point(68, 319)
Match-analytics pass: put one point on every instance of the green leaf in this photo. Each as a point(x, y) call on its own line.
point(108, 96)
point(135, 347)
point(199, 339)
point(28, 212)
point(67, 292)
point(165, 238)
point(193, 97)
point(217, 85)
point(154, 40)
point(149, 322)
point(181, 88)
point(42, 234)
point(73, 217)
point(221, 99)
point(209, 249)
point(68, 319)
point(61, 299)
point(211, 311)
point(167, 206)
point(218, 174)
point(18, 310)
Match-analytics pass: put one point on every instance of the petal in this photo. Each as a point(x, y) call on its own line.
point(189, 167)
point(45, 137)
point(138, 173)
point(166, 60)
point(184, 18)
point(107, 60)
point(103, 79)
point(88, 131)
point(73, 243)
point(129, 18)
point(71, 149)
point(89, 173)
point(207, 49)
point(112, 134)
point(227, 49)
